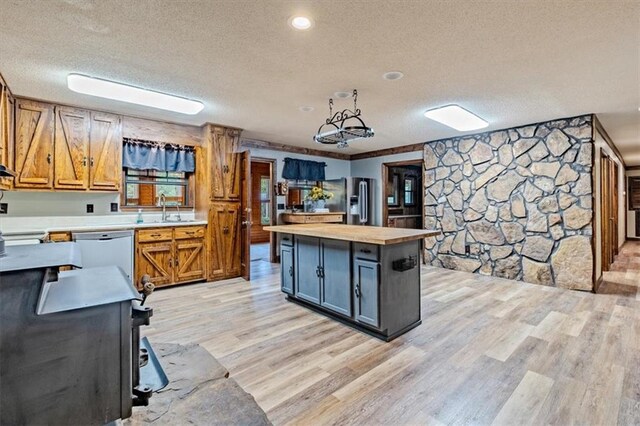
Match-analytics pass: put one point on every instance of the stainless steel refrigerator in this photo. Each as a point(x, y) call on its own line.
point(354, 196)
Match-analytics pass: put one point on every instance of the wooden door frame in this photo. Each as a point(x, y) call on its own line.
point(383, 183)
point(273, 168)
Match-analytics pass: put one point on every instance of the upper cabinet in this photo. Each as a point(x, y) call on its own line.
point(71, 148)
point(62, 147)
point(6, 131)
point(34, 145)
point(105, 152)
point(224, 164)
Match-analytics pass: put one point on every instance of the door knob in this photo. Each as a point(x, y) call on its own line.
point(245, 222)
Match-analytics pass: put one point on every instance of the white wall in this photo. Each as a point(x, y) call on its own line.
point(600, 143)
point(372, 168)
point(631, 214)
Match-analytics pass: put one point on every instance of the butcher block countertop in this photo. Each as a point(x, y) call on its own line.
point(311, 213)
point(362, 234)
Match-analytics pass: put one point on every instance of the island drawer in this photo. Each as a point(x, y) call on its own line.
point(145, 235)
point(287, 240)
point(366, 251)
point(186, 232)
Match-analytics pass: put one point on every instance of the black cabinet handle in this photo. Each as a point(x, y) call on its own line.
point(318, 271)
point(357, 290)
point(290, 271)
point(321, 272)
point(365, 250)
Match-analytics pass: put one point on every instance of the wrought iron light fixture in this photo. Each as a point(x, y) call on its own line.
point(343, 126)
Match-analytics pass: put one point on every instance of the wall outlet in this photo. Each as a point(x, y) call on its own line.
point(467, 249)
point(89, 208)
point(280, 206)
point(4, 208)
point(114, 207)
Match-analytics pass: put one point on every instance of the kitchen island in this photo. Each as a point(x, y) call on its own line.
point(367, 277)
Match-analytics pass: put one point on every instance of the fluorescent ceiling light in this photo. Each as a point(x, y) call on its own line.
point(456, 117)
point(135, 95)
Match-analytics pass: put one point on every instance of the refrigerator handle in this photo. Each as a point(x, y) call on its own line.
point(366, 202)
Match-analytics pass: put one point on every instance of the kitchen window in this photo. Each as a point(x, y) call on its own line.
point(410, 191)
point(144, 188)
point(265, 200)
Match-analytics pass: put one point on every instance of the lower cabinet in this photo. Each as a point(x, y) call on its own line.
point(286, 265)
point(322, 272)
point(171, 255)
point(224, 239)
point(366, 291)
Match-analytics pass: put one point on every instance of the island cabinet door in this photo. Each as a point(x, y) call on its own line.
point(366, 291)
point(335, 288)
point(307, 269)
point(286, 270)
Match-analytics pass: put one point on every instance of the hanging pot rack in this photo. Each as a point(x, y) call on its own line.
point(343, 126)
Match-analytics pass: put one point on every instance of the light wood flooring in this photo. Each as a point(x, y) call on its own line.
point(489, 351)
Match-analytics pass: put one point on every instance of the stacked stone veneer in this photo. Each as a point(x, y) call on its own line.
point(514, 203)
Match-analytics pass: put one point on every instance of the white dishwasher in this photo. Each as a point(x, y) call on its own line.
point(106, 249)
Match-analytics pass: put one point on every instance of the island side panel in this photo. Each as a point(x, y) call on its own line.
point(399, 290)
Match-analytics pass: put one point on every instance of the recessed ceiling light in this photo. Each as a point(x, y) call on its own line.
point(392, 75)
point(135, 95)
point(300, 22)
point(456, 117)
point(306, 108)
point(342, 95)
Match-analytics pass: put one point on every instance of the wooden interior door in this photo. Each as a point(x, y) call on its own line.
point(156, 260)
point(259, 171)
point(106, 152)
point(246, 220)
point(72, 148)
point(608, 210)
point(189, 260)
point(34, 145)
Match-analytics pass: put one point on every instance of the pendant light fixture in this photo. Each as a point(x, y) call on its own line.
point(343, 126)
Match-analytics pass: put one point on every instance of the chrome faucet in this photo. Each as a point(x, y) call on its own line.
point(163, 204)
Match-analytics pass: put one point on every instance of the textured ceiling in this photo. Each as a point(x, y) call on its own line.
point(511, 62)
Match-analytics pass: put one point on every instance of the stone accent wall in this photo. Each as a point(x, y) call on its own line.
point(514, 203)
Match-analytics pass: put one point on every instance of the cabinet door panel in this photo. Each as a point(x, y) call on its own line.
point(34, 145)
point(306, 268)
point(366, 292)
point(189, 260)
point(106, 152)
point(336, 277)
point(155, 260)
point(286, 270)
point(224, 233)
point(71, 148)
point(225, 163)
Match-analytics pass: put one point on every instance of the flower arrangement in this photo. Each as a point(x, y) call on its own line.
point(318, 194)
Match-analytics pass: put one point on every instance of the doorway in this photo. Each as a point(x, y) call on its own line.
point(402, 205)
point(263, 210)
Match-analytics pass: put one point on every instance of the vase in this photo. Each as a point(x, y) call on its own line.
point(319, 204)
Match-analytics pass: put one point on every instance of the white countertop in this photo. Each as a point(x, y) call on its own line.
point(20, 226)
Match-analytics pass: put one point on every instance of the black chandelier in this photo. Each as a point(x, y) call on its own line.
point(343, 126)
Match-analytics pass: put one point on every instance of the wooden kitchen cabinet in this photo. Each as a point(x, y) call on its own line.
point(224, 240)
point(7, 134)
point(224, 164)
point(34, 145)
point(105, 159)
point(171, 255)
point(71, 153)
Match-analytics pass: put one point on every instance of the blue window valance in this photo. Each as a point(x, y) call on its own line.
point(145, 155)
point(295, 169)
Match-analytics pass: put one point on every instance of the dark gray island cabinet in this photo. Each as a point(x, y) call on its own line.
point(365, 277)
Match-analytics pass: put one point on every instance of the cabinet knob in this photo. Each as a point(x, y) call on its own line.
point(91, 162)
point(365, 250)
point(290, 271)
point(84, 161)
point(357, 290)
point(49, 158)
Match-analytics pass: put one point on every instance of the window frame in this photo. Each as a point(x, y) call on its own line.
point(414, 183)
point(190, 194)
